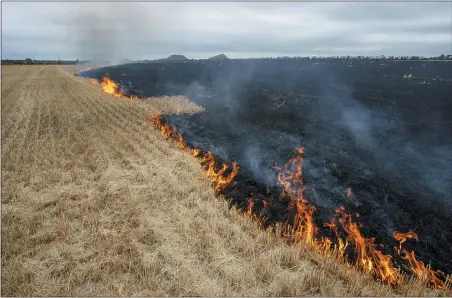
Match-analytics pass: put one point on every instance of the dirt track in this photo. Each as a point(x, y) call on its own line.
point(96, 202)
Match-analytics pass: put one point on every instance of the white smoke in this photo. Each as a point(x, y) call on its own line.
point(111, 32)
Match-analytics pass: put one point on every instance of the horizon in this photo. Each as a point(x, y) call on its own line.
point(313, 57)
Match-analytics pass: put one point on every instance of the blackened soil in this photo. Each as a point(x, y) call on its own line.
point(363, 124)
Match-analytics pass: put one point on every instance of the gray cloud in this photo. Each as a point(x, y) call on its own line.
point(139, 30)
point(388, 11)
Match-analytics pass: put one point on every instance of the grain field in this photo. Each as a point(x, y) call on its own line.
point(96, 202)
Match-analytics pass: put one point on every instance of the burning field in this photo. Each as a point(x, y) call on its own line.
point(349, 159)
point(224, 187)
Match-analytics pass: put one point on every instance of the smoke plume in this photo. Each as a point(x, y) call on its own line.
point(110, 33)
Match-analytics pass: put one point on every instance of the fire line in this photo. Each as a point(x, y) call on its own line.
point(345, 232)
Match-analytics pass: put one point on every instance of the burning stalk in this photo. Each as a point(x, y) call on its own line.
point(305, 229)
point(220, 180)
point(111, 87)
point(367, 256)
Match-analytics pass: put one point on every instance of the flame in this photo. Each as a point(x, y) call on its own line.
point(423, 272)
point(324, 245)
point(339, 249)
point(304, 228)
point(220, 180)
point(304, 222)
point(349, 192)
point(195, 152)
point(250, 207)
point(354, 233)
point(402, 237)
point(418, 267)
point(111, 87)
point(367, 256)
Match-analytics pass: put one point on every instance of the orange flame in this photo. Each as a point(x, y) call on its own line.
point(304, 222)
point(195, 152)
point(423, 272)
point(304, 227)
point(367, 256)
point(250, 207)
point(402, 237)
point(418, 267)
point(94, 81)
point(219, 178)
point(342, 244)
point(111, 87)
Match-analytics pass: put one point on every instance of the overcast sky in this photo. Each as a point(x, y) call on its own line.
point(140, 30)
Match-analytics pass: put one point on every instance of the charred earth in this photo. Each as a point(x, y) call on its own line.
point(377, 136)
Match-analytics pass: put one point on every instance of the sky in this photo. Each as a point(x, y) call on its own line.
point(149, 30)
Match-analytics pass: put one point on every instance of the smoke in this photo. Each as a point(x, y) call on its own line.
point(335, 126)
point(258, 112)
point(413, 159)
point(111, 33)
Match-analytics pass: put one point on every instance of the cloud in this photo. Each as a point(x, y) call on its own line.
point(154, 29)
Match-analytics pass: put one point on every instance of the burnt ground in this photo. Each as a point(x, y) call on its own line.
point(362, 123)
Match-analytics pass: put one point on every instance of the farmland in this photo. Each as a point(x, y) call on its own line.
point(96, 202)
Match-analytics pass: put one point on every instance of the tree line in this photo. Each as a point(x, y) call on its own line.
point(361, 58)
point(32, 61)
point(381, 57)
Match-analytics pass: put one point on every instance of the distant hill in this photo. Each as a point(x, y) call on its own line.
point(219, 57)
point(177, 58)
point(172, 58)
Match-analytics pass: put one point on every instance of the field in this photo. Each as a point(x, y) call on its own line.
point(96, 202)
